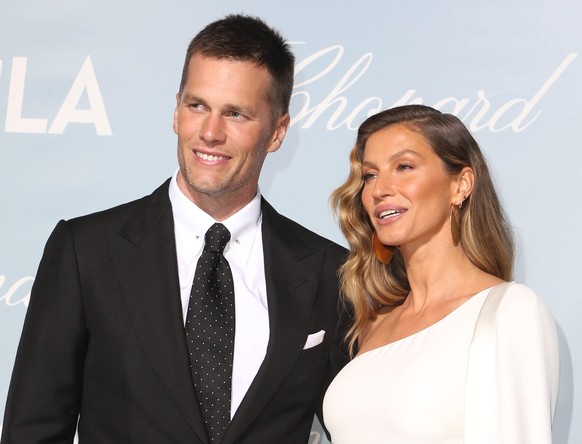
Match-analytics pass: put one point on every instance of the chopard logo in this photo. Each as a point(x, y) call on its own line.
point(16, 294)
point(69, 111)
point(478, 112)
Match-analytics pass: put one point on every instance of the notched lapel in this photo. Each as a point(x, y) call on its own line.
point(145, 259)
point(292, 271)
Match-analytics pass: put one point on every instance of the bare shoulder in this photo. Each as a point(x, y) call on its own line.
point(484, 281)
point(380, 330)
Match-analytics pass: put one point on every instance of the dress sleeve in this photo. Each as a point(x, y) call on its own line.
point(527, 370)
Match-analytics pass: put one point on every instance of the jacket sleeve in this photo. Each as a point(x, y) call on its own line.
point(527, 370)
point(45, 390)
point(339, 355)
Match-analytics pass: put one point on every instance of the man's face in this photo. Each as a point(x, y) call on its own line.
point(225, 127)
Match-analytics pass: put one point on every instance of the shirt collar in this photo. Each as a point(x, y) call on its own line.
point(193, 222)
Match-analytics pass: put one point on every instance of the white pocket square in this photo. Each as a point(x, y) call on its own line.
point(314, 339)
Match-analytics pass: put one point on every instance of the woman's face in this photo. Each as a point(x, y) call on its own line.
point(407, 192)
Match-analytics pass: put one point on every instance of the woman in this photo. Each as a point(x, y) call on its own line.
point(429, 245)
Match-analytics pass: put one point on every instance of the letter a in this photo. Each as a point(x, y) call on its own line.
point(96, 114)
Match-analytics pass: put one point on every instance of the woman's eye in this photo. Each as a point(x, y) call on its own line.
point(404, 167)
point(367, 176)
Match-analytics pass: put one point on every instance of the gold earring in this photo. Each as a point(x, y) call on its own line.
point(455, 225)
point(381, 251)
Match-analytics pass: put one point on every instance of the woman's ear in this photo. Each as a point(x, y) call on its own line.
point(465, 184)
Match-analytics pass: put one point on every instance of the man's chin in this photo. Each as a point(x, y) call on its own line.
point(206, 189)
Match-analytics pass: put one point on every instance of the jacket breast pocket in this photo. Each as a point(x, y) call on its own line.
point(311, 357)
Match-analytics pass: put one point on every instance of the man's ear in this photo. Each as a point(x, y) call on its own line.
point(175, 125)
point(279, 132)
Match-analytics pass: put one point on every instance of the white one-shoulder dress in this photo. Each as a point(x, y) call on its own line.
point(413, 390)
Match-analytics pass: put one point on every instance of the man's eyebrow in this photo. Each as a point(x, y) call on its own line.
point(246, 110)
point(191, 97)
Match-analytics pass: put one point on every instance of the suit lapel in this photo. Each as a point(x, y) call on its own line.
point(145, 257)
point(291, 286)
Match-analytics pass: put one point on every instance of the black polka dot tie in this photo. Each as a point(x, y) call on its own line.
point(210, 332)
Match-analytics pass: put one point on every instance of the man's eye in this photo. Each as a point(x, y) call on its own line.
point(236, 115)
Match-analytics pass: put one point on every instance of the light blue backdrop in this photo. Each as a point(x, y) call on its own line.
point(87, 94)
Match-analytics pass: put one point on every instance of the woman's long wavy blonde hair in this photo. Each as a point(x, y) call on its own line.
point(486, 236)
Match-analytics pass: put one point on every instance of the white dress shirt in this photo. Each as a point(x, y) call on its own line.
point(244, 253)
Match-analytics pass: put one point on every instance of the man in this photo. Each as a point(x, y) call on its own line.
point(109, 342)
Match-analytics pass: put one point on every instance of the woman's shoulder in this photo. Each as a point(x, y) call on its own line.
point(521, 304)
point(520, 296)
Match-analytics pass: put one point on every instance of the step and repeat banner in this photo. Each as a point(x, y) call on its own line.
point(87, 93)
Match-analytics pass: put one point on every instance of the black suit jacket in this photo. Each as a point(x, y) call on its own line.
point(103, 341)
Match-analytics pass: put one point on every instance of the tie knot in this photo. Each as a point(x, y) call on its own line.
point(216, 238)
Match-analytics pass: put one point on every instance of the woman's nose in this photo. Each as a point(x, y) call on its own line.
point(383, 186)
